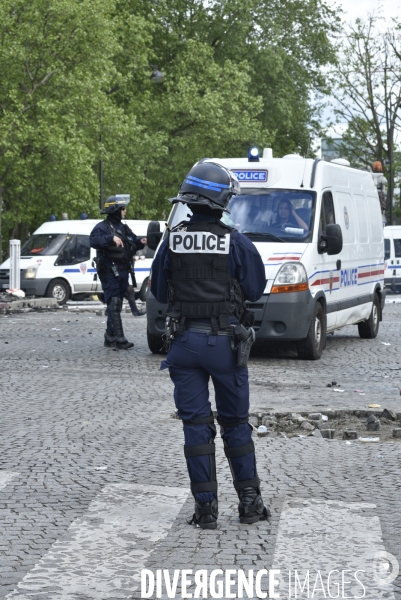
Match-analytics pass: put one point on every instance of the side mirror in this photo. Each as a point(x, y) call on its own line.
point(332, 241)
point(154, 234)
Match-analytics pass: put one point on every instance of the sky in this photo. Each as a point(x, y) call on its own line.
point(355, 9)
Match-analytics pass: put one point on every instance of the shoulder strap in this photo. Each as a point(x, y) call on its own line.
point(110, 226)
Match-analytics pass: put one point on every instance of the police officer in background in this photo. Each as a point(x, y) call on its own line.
point(206, 270)
point(116, 245)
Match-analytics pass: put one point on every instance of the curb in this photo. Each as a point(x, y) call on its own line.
point(28, 304)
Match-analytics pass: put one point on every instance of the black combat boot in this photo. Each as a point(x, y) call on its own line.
point(114, 309)
point(251, 508)
point(109, 338)
point(205, 515)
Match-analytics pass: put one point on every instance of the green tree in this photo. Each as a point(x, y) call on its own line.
point(369, 95)
point(57, 57)
point(237, 73)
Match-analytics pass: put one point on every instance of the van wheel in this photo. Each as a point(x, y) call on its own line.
point(155, 343)
point(60, 290)
point(311, 348)
point(370, 328)
point(142, 293)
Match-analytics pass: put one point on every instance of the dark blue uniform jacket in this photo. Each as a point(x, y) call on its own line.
point(101, 236)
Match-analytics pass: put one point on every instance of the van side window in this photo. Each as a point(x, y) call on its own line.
point(68, 251)
point(83, 248)
point(397, 248)
point(386, 249)
point(327, 215)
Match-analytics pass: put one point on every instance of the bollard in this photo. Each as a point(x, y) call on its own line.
point(15, 252)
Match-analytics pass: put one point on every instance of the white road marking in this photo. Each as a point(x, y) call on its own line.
point(107, 547)
point(6, 477)
point(322, 536)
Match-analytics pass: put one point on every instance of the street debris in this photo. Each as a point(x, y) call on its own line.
point(337, 390)
point(389, 414)
point(328, 434)
point(373, 405)
point(350, 435)
point(386, 343)
point(373, 423)
point(369, 439)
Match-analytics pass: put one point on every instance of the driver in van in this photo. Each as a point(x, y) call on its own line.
point(287, 216)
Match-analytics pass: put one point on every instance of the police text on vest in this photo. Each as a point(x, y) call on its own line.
point(200, 242)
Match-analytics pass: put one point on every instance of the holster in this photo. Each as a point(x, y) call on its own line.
point(244, 337)
point(170, 331)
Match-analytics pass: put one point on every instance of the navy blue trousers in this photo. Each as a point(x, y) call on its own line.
point(194, 358)
point(114, 286)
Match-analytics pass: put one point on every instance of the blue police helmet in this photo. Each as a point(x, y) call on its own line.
point(114, 203)
point(208, 183)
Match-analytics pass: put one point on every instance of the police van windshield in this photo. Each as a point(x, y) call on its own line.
point(43, 244)
point(266, 214)
point(269, 214)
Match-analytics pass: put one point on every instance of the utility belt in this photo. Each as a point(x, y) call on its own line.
point(242, 337)
point(102, 265)
point(198, 328)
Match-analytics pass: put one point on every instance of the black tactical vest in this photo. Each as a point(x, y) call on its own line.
point(201, 286)
point(117, 253)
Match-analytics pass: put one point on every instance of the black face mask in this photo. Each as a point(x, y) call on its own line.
point(116, 216)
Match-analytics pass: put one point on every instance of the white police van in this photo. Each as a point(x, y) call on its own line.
point(392, 256)
point(318, 228)
point(57, 261)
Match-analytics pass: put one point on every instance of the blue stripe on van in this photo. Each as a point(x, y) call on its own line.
point(78, 270)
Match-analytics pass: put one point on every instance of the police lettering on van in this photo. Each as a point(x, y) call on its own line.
point(349, 277)
point(257, 176)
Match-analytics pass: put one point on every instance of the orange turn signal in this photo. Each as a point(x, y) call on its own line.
point(294, 287)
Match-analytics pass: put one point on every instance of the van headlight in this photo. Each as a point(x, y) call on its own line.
point(291, 277)
point(30, 273)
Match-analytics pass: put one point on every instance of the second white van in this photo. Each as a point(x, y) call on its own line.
point(392, 256)
point(57, 261)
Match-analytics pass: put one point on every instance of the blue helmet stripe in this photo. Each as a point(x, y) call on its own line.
point(206, 183)
point(201, 185)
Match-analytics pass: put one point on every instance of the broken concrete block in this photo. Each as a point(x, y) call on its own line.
point(307, 426)
point(389, 414)
point(350, 435)
point(328, 434)
point(373, 425)
point(315, 416)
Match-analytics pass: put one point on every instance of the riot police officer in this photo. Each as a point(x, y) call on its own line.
point(115, 244)
point(206, 270)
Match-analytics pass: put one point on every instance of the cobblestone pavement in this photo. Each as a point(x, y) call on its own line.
point(93, 485)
